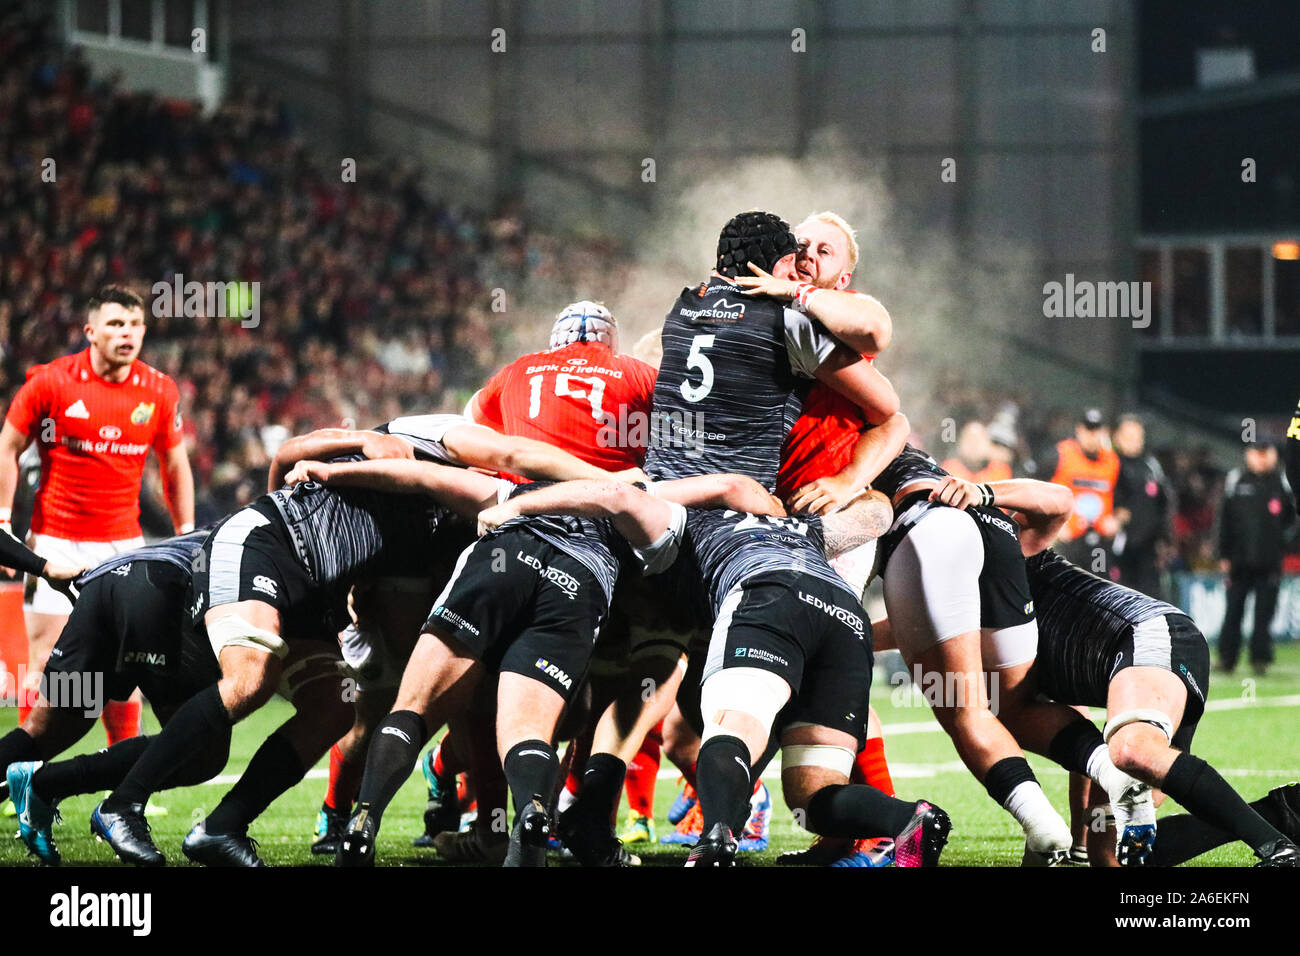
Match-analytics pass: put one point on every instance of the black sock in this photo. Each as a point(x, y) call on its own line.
point(722, 778)
point(16, 746)
point(1198, 787)
point(198, 725)
point(859, 811)
point(394, 748)
point(274, 769)
point(1074, 744)
point(1005, 775)
point(531, 768)
point(1183, 837)
point(89, 773)
point(602, 782)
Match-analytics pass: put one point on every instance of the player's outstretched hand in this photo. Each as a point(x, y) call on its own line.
point(308, 471)
point(489, 519)
point(764, 283)
point(823, 496)
point(957, 493)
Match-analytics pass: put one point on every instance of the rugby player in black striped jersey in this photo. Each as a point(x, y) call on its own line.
point(1101, 644)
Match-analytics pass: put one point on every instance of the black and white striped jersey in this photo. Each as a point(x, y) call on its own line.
point(910, 465)
point(735, 371)
point(340, 532)
point(593, 542)
point(727, 548)
point(179, 551)
point(1075, 605)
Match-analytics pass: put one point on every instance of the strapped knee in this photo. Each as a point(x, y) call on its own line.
point(233, 631)
point(1150, 716)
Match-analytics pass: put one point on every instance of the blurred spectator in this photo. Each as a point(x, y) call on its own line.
point(1257, 510)
point(1142, 508)
point(1087, 465)
point(974, 460)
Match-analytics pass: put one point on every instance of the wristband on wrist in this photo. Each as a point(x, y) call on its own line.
point(986, 494)
point(803, 293)
point(6, 515)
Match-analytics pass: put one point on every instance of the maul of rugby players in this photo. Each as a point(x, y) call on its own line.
point(960, 608)
point(95, 416)
point(129, 626)
point(1101, 644)
point(826, 461)
point(789, 663)
point(385, 632)
point(581, 395)
point(275, 576)
point(527, 602)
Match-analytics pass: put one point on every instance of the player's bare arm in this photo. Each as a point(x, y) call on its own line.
point(866, 519)
point(640, 517)
point(859, 321)
point(12, 444)
point(326, 443)
point(1040, 506)
point(465, 492)
point(861, 383)
point(178, 487)
point(482, 447)
point(875, 449)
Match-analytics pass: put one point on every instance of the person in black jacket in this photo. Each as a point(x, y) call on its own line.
point(1142, 506)
point(1257, 509)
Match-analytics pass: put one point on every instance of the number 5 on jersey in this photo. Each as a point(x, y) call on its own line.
point(697, 359)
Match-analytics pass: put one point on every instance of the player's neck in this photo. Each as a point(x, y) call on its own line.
point(109, 372)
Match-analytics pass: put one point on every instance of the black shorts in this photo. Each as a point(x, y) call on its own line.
point(520, 604)
point(1005, 600)
point(1074, 674)
point(811, 633)
point(132, 627)
point(250, 557)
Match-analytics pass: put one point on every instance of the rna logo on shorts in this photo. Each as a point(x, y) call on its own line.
point(550, 670)
point(266, 585)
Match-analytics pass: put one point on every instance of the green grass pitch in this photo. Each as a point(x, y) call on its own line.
point(1252, 741)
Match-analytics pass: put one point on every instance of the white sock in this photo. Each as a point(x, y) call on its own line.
point(1045, 829)
point(1103, 770)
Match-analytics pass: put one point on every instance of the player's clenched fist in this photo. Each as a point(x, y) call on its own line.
point(492, 518)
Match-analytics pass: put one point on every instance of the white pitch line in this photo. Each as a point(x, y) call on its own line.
point(930, 727)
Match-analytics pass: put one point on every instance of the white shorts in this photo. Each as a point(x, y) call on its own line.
point(932, 592)
point(46, 600)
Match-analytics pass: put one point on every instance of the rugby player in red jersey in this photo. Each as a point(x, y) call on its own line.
point(95, 416)
point(580, 394)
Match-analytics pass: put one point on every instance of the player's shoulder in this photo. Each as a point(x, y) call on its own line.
point(62, 367)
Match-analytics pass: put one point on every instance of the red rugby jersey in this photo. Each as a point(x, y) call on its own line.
point(94, 436)
point(822, 440)
point(584, 398)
